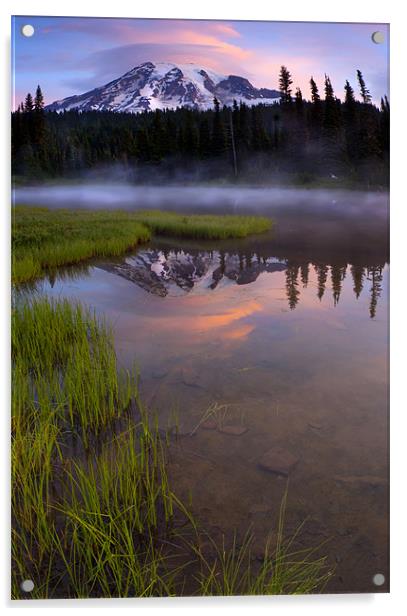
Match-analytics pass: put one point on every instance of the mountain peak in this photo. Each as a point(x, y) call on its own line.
point(165, 85)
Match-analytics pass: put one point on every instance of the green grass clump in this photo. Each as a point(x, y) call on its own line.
point(64, 362)
point(93, 511)
point(203, 226)
point(283, 570)
point(88, 514)
point(45, 239)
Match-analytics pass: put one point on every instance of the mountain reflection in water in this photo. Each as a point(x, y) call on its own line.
point(174, 272)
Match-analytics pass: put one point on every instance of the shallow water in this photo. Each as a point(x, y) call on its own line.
point(284, 337)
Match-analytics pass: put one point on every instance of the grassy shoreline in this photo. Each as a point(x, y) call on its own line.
point(44, 239)
point(93, 511)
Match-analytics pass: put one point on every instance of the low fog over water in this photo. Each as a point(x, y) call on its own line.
point(224, 199)
point(306, 221)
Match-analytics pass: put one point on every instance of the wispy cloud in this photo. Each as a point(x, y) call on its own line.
point(71, 55)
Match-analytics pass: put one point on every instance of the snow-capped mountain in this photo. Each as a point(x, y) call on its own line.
point(163, 85)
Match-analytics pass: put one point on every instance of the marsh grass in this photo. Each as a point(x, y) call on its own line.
point(102, 519)
point(203, 226)
point(87, 524)
point(46, 239)
point(43, 240)
point(64, 364)
point(283, 569)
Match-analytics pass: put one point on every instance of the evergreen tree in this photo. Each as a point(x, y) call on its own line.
point(285, 83)
point(39, 100)
point(329, 91)
point(315, 97)
point(315, 111)
point(385, 105)
point(28, 103)
point(349, 95)
point(364, 92)
point(38, 123)
point(299, 101)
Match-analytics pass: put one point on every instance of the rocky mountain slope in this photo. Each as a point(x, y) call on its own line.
point(162, 85)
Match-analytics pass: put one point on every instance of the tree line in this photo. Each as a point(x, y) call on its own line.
point(323, 137)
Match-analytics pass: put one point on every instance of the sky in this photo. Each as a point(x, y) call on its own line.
point(71, 55)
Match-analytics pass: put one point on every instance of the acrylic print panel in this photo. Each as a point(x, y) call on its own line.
point(200, 308)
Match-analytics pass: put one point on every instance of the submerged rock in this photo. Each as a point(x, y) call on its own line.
point(159, 374)
point(190, 377)
point(235, 430)
point(278, 461)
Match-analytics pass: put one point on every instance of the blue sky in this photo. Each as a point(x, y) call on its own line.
point(68, 55)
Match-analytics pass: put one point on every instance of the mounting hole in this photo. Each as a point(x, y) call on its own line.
point(379, 579)
point(27, 585)
point(27, 30)
point(378, 37)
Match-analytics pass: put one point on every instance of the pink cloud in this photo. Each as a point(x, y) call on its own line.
point(197, 38)
point(210, 34)
point(226, 29)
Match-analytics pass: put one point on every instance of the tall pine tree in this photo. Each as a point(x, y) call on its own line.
point(315, 111)
point(39, 100)
point(28, 103)
point(364, 92)
point(285, 83)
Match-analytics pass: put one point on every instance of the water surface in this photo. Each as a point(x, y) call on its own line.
point(285, 337)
